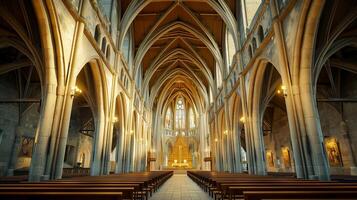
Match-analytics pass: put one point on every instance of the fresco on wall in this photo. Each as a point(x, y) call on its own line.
point(285, 153)
point(26, 147)
point(333, 152)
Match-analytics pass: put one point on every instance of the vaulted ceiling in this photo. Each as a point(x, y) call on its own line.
point(177, 43)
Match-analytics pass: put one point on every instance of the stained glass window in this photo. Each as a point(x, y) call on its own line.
point(180, 114)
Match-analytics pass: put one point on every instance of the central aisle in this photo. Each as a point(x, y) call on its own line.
point(180, 187)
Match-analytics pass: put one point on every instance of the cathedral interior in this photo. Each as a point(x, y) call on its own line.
point(181, 94)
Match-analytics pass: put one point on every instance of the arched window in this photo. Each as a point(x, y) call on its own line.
point(168, 119)
point(210, 95)
point(260, 34)
point(97, 34)
point(231, 48)
point(192, 118)
point(218, 77)
point(104, 44)
point(254, 43)
point(127, 48)
point(180, 114)
point(107, 53)
point(250, 51)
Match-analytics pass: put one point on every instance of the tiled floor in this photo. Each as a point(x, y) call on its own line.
point(180, 187)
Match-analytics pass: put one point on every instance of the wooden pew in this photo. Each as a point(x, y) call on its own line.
point(232, 186)
point(118, 186)
point(31, 195)
point(240, 190)
point(299, 195)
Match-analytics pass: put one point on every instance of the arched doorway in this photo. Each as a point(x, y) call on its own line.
point(238, 137)
point(275, 127)
point(119, 134)
point(335, 75)
point(82, 128)
point(271, 129)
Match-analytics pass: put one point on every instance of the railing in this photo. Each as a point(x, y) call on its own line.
point(185, 133)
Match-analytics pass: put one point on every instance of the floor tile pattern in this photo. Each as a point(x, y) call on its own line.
point(180, 187)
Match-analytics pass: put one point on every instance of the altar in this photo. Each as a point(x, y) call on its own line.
point(180, 156)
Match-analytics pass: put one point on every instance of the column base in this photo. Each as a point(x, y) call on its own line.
point(313, 177)
point(45, 177)
point(10, 172)
point(353, 171)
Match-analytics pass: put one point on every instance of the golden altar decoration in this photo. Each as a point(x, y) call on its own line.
point(180, 157)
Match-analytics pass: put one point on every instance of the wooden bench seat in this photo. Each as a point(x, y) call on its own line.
point(117, 186)
point(239, 186)
point(56, 195)
point(294, 195)
point(238, 191)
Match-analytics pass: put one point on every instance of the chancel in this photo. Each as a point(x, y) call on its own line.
point(178, 99)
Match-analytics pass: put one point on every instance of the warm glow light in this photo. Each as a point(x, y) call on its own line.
point(184, 161)
point(131, 132)
point(175, 161)
point(216, 140)
point(75, 90)
point(115, 119)
point(242, 119)
point(282, 90)
point(225, 132)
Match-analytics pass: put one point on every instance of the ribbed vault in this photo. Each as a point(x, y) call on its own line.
point(178, 46)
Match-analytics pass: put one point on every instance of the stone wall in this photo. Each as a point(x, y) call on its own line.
point(9, 115)
point(9, 124)
point(338, 121)
point(278, 141)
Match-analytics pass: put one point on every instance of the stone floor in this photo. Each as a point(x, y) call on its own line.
point(180, 187)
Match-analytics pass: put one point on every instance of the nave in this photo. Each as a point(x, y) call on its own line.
point(180, 187)
point(125, 92)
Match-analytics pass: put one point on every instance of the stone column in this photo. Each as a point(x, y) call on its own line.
point(98, 148)
point(258, 144)
point(237, 149)
point(228, 137)
point(54, 133)
point(315, 137)
point(16, 147)
point(119, 151)
point(67, 106)
point(217, 145)
point(38, 162)
point(63, 134)
point(349, 144)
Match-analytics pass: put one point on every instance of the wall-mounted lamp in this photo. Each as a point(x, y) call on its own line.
point(115, 119)
point(283, 90)
point(131, 132)
point(216, 139)
point(225, 132)
point(75, 90)
point(242, 119)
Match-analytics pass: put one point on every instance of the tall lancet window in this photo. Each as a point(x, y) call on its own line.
point(180, 114)
point(192, 118)
point(168, 119)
